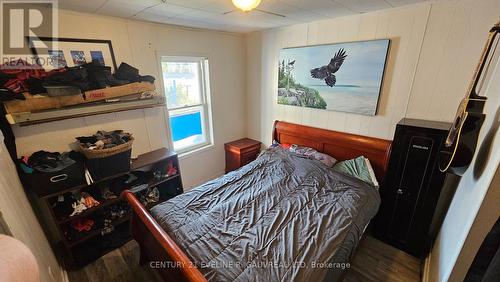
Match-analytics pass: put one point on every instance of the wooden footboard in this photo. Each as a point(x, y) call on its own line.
point(157, 247)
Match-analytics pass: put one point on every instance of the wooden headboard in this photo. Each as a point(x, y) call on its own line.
point(340, 145)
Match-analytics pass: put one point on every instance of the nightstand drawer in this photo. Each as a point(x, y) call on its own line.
point(250, 156)
point(240, 153)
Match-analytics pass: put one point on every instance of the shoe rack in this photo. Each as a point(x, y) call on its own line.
point(157, 179)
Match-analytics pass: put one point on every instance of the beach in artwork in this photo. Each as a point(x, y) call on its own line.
point(349, 99)
point(344, 77)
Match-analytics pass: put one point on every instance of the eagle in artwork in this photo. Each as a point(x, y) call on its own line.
point(327, 72)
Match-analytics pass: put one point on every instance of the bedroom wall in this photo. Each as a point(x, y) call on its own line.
point(404, 26)
point(435, 48)
point(137, 43)
point(474, 209)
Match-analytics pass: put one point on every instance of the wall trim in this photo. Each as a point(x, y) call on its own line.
point(426, 268)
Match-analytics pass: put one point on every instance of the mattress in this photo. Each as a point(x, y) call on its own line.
point(280, 218)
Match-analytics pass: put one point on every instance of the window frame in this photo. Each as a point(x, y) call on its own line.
point(205, 101)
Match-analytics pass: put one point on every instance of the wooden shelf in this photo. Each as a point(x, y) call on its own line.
point(141, 161)
point(89, 211)
point(154, 183)
point(30, 118)
point(88, 244)
point(110, 202)
point(151, 158)
point(97, 231)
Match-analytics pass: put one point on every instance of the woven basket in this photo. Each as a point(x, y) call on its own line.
point(103, 153)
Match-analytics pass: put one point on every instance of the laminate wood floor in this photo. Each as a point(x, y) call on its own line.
point(377, 261)
point(120, 265)
point(373, 261)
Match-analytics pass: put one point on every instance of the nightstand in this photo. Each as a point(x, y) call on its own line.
point(240, 153)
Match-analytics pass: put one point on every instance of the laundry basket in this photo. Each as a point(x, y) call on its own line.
point(102, 163)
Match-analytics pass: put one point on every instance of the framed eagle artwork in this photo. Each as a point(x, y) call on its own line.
point(345, 77)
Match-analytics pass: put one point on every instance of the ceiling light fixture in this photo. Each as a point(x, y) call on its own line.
point(246, 5)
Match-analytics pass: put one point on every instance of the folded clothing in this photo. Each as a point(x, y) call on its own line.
point(104, 139)
point(18, 76)
point(128, 72)
point(72, 76)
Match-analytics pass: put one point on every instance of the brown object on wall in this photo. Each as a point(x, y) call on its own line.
point(240, 153)
point(156, 245)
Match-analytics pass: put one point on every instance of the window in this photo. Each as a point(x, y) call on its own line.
point(187, 90)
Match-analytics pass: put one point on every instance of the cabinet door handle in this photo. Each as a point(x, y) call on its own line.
point(400, 192)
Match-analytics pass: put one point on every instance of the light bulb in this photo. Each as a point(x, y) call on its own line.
point(246, 5)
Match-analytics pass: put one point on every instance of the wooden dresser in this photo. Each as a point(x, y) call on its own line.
point(240, 153)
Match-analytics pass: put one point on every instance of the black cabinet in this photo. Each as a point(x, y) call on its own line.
point(413, 186)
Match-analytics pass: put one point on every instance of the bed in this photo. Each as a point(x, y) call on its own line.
point(280, 218)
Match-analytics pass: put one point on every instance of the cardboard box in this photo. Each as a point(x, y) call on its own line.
point(39, 102)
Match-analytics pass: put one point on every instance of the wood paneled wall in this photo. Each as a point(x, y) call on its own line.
point(434, 49)
point(404, 26)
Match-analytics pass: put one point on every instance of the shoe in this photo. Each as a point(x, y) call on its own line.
point(131, 178)
point(108, 227)
point(89, 201)
point(153, 195)
point(107, 194)
point(82, 225)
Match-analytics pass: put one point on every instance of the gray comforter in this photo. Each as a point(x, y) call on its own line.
point(279, 218)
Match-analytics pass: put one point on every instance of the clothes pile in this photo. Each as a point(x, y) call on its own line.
point(82, 225)
point(104, 139)
point(19, 76)
point(83, 202)
point(48, 162)
point(171, 170)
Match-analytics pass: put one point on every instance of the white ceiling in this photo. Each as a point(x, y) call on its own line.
point(210, 13)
